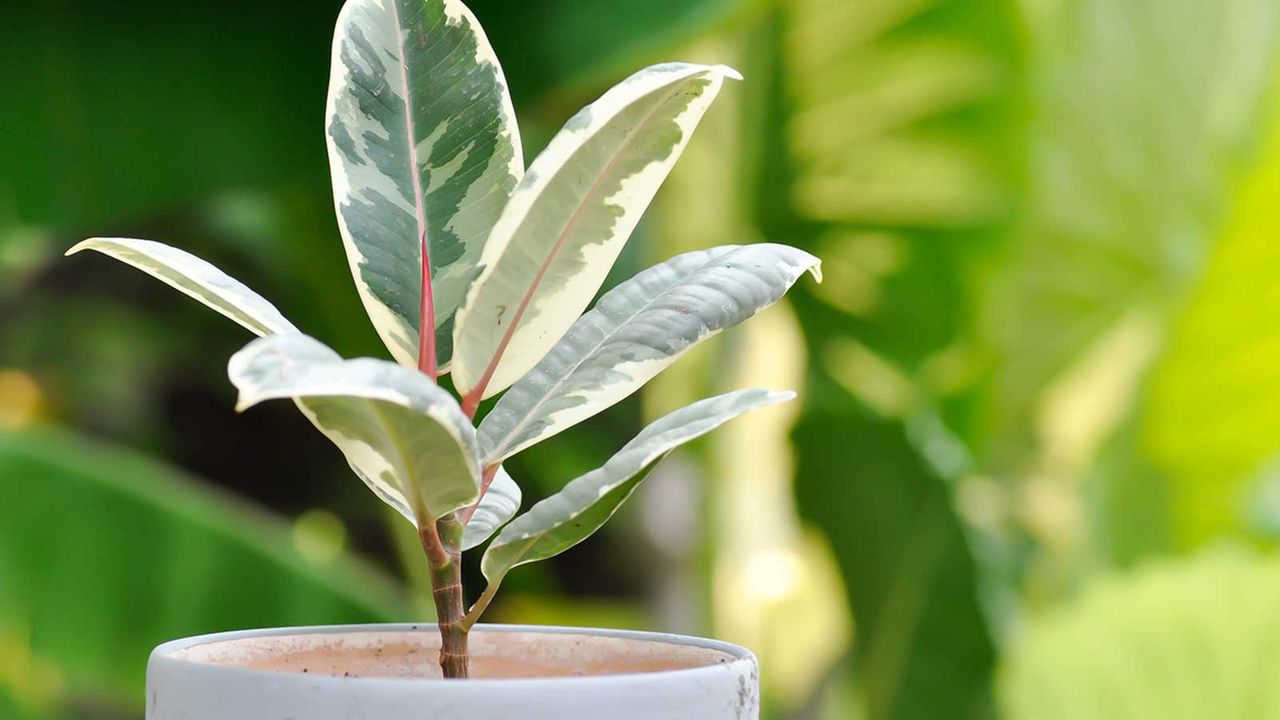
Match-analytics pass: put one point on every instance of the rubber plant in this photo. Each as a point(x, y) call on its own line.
point(468, 263)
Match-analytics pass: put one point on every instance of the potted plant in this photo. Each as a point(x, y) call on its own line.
point(469, 264)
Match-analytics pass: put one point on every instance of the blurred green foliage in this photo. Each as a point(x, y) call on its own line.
point(1193, 638)
point(106, 555)
point(1040, 378)
point(900, 168)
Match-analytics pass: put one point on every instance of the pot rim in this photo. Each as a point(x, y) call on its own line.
point(164, 654)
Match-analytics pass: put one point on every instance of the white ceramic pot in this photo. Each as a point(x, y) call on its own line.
point(388, 672)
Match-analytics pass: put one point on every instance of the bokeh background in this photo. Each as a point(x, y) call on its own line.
point(1035, 467)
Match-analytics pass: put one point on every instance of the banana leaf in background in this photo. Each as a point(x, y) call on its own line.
point(104, 554)
point(1052, 267)
point(1103, 322)
point(889, 145)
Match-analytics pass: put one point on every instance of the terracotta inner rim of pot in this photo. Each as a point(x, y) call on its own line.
point(413, 655)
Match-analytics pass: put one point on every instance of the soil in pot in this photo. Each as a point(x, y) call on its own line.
point(506, 655)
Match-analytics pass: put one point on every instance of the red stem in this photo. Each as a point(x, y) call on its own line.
point(464, 515)
point(426, 317)
point(426, 302)
point(431, 544)
point(440, 541)
point(470, 404)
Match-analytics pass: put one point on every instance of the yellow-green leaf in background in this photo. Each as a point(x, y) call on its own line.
point(1187, 639)
point(1212, 416)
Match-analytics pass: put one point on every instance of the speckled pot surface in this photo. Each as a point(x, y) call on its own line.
point(387, 672)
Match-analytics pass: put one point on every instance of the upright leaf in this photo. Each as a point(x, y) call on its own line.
point(196, 278)
point(570, 216)
point(634, 332)
point(424, 151)
point(403, 435)
point(499, 504)
point(573, 514)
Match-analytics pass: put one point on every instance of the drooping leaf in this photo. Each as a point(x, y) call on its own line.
point(1186, 638)
point(105, 554)
point(424, 151)
point(570, 216)
point(634, 332)
point(573, 514)
point(499, 504)
point(403, 435)
point(196, 278)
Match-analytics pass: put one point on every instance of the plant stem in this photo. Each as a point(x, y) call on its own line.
point(471, 403)
point(441, 543)
point(486, 479)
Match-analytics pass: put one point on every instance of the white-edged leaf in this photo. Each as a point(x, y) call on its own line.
point(635, 331)
point(403, 435)
point(573, 514)
point(569, 218)
point(422, 143)
point(194, 277)
point(499, 504)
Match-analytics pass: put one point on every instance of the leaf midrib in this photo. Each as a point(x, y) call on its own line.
point(426, 299)
point(524, 422)
point(563, 235)
point(380, 419)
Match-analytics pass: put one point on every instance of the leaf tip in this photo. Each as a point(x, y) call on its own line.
point(728, 72)
point(779, 396)
point(80, 246)
point(816, 270)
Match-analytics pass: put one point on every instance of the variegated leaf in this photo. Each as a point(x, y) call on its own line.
point(573, 514)
point(401, 433)
point(194, 277)
point(570, 216)
point(498, 505)
point(634, 332)
point(424, 152)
